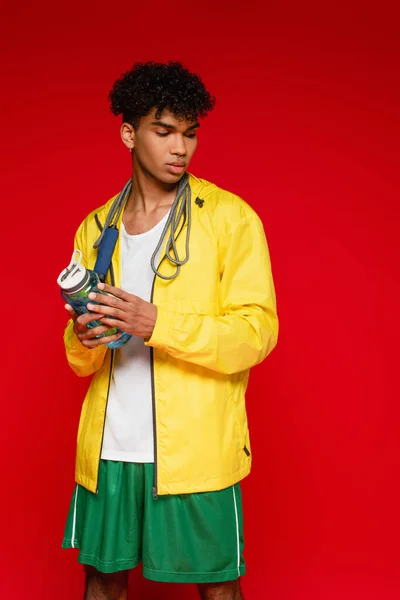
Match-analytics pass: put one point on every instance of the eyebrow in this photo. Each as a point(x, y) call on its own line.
point(172, 127)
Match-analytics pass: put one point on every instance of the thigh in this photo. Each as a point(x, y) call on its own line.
point(193, 538)
point(107, 527)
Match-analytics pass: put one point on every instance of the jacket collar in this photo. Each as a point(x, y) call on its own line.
point(196, 186)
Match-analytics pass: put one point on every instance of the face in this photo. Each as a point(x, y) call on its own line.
point(162, 147)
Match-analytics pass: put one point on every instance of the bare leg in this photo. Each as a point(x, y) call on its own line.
point(106, 586)
point(229, 590)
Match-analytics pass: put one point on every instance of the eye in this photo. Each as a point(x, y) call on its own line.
point(160, 134)
point(191, 135)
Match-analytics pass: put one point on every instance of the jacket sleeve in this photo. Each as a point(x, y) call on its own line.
point(246, 331)
point(83, 361)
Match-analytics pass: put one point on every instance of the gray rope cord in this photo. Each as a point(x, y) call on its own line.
point(184, 193)
point(181, 206)
point(117, 205)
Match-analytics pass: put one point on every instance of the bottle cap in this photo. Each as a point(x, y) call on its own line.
point(75, 276)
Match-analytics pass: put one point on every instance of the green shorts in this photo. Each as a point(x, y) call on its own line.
point(187, 538)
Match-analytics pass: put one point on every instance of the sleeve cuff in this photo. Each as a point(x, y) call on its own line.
point(159, 337)
point(70, 338)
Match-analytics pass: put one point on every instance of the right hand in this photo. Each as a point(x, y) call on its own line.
point(87, 336)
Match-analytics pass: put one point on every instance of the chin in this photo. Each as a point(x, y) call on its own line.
point(171, 177)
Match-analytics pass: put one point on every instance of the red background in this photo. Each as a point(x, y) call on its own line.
point(306, 129)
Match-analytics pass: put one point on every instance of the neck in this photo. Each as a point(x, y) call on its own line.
point(148, 193)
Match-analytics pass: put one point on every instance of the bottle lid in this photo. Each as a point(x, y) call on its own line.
point(75, 276)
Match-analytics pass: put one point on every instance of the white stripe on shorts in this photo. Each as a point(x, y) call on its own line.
point(237, 531)
point(74, 519)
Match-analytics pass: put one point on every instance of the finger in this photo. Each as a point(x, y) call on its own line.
point(114, 323)
point(107, 310)
point(87, 318)
point(82, 322)
point(92, 332)
point(105, 300)
point(110, 289)
point(69, 309)
point(101, 341)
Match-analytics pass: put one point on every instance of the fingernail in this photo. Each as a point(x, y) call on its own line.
point(92, 295)
point(90, 306)
point(100, 286)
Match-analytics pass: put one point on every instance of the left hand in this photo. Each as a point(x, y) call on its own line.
point(126, 311)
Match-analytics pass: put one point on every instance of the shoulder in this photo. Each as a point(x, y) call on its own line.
point(222, 203)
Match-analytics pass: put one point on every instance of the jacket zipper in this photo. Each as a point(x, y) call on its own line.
point(153, 397)
point(154, 490)
point(153, 400)
point(99, 225)
point(105, 413)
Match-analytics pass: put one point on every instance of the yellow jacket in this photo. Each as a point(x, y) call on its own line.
point(215, 321)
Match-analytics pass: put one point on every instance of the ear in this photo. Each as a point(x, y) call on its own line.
point(128, 135)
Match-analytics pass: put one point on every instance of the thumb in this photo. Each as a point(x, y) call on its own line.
point(70, 311)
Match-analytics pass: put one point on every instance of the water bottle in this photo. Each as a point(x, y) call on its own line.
point(76, 283)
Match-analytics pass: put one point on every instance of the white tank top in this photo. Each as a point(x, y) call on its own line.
point(128, 433)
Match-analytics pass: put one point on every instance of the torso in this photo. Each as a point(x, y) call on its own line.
point(128, 433)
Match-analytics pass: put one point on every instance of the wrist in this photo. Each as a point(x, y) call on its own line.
point(151, 321)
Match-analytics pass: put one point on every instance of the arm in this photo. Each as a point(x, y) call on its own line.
point(82, 359)
point(247, 329)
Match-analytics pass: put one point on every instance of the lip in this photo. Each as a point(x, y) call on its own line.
point(176, 167)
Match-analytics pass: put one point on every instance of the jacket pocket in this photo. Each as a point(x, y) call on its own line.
point(239, 409)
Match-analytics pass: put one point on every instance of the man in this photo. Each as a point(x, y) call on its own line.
point(163, 440)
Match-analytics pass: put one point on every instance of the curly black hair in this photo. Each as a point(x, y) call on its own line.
point(161, 86)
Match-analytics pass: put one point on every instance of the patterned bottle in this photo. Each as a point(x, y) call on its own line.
point(76, 283)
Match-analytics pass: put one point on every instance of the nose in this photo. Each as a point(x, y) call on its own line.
point(179, 146)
